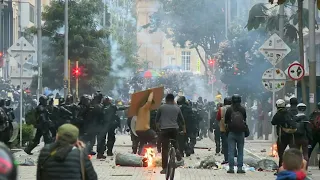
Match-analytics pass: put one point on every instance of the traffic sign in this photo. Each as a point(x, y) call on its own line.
point(274, 79)
point(275, 49)
point(286, 71)
point(21, 48)
point(296, 71)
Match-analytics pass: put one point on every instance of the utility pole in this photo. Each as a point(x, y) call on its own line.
point(21, 71)
point(301, 49)
point(66, 36)
point(69, 75)
point(312, 57)
point(281, 93)
point(77, 80)
point(39, 48)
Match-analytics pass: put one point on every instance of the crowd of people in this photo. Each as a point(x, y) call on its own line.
point(295, 128)
point(70, 130)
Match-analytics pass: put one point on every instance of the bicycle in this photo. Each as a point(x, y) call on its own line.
point(171, 166)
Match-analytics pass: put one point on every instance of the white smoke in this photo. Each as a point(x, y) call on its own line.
point(120, 17)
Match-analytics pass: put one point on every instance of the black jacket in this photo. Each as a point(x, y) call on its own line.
point(63, 167)
point(281, 119)
point(229, 114)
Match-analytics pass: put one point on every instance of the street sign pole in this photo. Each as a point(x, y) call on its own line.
point(25, 50)
point(296, 88)
point(21, 91)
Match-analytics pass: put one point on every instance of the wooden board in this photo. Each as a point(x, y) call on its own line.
point(138, 98)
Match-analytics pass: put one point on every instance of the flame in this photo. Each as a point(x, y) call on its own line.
point(274, 150)
point(150, 155)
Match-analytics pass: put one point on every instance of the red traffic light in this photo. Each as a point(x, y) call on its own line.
point(76, 72)
point(212, 62)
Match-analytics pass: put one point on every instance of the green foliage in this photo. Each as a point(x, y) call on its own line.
point(241, 62)
point(87, 43)
point(191, 22)
point(27, 135)
point(261, 16)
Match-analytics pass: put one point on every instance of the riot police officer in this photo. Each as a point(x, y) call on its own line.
point(96, 116)
point(5, 124)
point(187, 143)
point(111, 122)
point(73, 108)
point(43, 124)
point(83, 115)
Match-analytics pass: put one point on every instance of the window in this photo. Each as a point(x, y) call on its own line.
point(185, 59)
point(31, 13)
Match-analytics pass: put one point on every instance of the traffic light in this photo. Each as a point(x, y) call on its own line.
point(212, 62)
point(279, 2)
point(76, 72)
point(1, 59)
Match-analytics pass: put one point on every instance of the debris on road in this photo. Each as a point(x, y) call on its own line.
point(266, 165)
point(131, 160)
point(208, 163)
point(28, 162)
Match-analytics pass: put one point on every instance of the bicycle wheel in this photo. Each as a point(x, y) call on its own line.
point(173, 163)
point(168, 170)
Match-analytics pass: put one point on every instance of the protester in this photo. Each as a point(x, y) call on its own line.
point(303, 134)
point(235, 120)
point(293, 167)
point(285, 126)
point(315, 125)
point(221, 118)
point(65, 158)
point(171, 122)
point(143, 129)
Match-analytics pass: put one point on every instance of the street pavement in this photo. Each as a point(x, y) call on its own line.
point(107, 170)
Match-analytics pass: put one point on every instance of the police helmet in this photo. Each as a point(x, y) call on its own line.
point(236, 98)
point(301, 107)
point(43, 100)
point(293, 101)
point(318, 105)
point(227, 101)
point(181, 100)
point(280, 103)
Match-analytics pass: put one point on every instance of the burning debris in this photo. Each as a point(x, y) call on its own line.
point(149, 157)
point(274, 150)
point(133, 160)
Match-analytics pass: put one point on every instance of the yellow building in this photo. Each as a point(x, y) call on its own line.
point(158, 51)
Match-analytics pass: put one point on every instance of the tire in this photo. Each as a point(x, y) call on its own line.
point(173, 163)
point(169, 164)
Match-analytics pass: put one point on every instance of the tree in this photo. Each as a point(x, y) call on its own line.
point(241, 64)
point(260, 16)
point(87, 43)
point(191, 22)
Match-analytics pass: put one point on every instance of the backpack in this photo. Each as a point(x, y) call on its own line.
point(300, 126)
point(237, 121)
point(316, 123)
point(290, 127)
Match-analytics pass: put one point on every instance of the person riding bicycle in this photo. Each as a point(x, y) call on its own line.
point(170, 121)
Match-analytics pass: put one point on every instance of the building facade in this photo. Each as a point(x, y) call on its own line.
point(158, 51)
